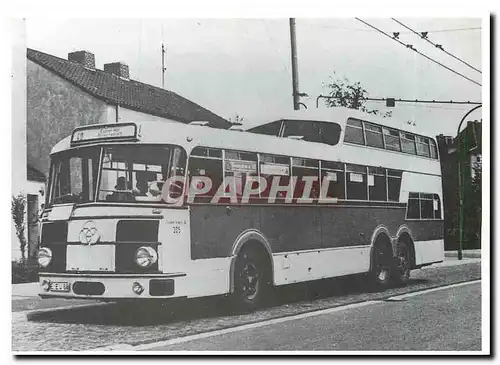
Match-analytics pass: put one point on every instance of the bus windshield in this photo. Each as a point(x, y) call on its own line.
point(126, 173)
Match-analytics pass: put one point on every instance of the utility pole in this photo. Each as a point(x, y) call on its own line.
point(163, 65)
point(295, 74)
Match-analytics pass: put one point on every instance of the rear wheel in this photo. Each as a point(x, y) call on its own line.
point(251, 280)
point(382, 264)
point(403, 264)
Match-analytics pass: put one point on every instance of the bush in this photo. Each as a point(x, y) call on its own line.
point(24, 272)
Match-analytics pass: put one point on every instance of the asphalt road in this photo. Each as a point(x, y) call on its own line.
point(55, 325)
point(447, 319)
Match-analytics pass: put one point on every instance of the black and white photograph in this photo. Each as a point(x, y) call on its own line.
point(250, 185)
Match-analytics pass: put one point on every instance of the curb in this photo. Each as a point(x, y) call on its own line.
point(465, 254)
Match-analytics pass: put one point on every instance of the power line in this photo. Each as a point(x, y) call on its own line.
point(420, 53)
point(371, 30)
point(423, 35)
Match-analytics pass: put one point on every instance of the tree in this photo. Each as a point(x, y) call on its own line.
point(18, 207)
point(350, 95)
point(473, 208)
point(237, 120)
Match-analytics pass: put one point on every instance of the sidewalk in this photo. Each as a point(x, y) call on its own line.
point(25, 290)
point(465, 253)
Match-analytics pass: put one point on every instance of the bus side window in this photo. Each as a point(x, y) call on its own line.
point(356, 181)
point(333, 172)
point(354, 131)
point(329, 133)
point(394, 184)
point(437, 206)
point(434, 153)
point(270, 129)
point(377, 184)
point(413, 208)
point(237, 167)
point(208, 166)
point(301, 168)
point(271, 167)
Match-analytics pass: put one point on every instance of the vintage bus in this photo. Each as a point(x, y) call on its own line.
point(363, 198)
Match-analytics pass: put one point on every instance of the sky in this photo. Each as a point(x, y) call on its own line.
point(243, 66)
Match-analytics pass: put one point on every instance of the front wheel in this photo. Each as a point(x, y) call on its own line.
point(251, 280)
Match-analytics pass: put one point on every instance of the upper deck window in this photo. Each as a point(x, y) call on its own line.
point(270, 129)
point(373, 135)
point(423, 146)
point(354, 131)
point(408, 143)
point(313, 131)
point(433, 149)
point(391, 137)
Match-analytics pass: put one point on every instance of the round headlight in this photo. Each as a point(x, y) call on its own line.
point(145, 257)
point(44, 256)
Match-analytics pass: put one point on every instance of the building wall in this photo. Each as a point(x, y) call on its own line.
point(128, 115)
point(54, 108)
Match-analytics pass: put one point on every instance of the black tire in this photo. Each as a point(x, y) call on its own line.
point(382, 267)
point(252, 280)
point(402, 269)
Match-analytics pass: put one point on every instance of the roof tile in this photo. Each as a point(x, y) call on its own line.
point(127, 93)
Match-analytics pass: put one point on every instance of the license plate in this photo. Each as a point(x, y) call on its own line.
point(64, 287)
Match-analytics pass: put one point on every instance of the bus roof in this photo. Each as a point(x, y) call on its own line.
point(337, 115)
point(191, 136)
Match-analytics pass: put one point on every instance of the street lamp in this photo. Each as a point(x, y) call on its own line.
point(460, 184)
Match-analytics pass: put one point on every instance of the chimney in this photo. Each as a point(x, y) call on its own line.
point(117, 68)
point(84, 58)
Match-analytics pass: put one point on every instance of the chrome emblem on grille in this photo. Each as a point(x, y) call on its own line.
point(89, 234)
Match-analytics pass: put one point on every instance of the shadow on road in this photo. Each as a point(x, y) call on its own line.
point(155, 313)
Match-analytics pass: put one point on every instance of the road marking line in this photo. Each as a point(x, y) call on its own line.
point(253, 325)
point(199, 336)
point(414, 294)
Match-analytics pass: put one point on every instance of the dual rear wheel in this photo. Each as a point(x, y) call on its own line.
point(388, 269)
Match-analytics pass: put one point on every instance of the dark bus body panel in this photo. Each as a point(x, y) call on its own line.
point(294, 228)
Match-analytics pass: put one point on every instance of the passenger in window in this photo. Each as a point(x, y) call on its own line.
point(121, 193)
point(142, 187)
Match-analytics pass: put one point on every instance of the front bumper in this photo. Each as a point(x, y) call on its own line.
point(112, 286)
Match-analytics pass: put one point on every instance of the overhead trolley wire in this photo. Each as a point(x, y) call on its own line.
point(423, 35)
point(420, 53)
